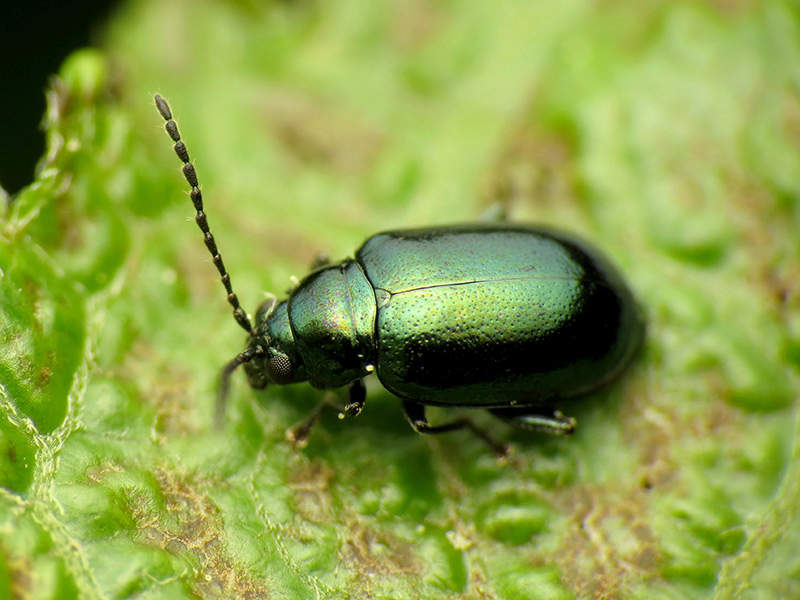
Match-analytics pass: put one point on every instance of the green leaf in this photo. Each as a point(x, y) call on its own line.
point(666, 132)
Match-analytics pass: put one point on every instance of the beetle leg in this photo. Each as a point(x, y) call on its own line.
point(415, 413)
point(320, 260)
point(266, 308)
point(357, 396)
point(298, 434)
point(497, 212)
point(556, 423)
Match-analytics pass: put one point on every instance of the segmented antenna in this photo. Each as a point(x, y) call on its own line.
point(197, 198)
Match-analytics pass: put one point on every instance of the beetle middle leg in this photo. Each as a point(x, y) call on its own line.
point(555, 423)
point(415, 413)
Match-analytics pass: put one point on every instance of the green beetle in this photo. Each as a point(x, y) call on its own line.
point(514, 319)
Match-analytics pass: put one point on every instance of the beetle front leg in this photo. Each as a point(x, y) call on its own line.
point(556, 423)
point(298, 434)
point(415, 413)
point(357, 396)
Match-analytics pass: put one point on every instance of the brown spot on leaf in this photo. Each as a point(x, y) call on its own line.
point(413, 22)
point(535, 166)
point(374, 552)
point(45, 373)
point(732, 7)
point(311, 486)
point(19, 573)
point(313, 131)
point(592, 561)
point(174, 408)
point(191, 526)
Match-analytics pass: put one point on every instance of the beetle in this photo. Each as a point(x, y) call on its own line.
point(515, 319)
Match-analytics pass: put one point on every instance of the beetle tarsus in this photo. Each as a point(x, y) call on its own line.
point(415, 413)
point(357, 397)
point(298, 435)
point(555, 423)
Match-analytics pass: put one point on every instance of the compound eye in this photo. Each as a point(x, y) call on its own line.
point(279, 368)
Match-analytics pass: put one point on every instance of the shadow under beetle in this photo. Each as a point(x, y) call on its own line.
point(514, 319)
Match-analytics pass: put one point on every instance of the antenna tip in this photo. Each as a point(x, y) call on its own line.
point(163, 107)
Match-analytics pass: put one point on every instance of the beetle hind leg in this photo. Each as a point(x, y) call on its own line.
point(555, 423)
point(415, 413)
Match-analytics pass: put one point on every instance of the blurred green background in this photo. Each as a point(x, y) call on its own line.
point(666, 132)
point(35, 37)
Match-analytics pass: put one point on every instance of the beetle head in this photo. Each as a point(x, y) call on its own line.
point(270, 356)
point(275, 358)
